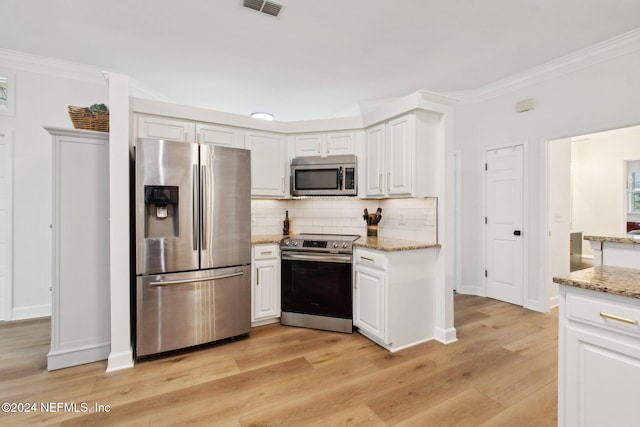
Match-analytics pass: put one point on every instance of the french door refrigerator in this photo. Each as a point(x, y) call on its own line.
point(193, 244)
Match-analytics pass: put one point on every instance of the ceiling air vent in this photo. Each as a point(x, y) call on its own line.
point(268, 7)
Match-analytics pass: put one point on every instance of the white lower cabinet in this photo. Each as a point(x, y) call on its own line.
point(369, 310)
point(393, 296)
point(265, 279)
point(599, 359)
point(80, 314)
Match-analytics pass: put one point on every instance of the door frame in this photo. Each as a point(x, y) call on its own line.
point(526, 228)
point(6, 307)
point(457, 223)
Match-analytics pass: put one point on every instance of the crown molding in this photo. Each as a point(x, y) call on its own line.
point(600, 52)
point(56, 67)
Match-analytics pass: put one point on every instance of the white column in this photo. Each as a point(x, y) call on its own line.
point(121, 355)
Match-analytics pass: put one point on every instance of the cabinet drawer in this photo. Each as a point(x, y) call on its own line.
point(607, 314)
point(266, 252)
point(371, 259)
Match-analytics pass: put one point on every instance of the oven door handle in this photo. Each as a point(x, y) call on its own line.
point(346, 259)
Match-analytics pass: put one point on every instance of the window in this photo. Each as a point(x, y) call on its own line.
point(633, 188)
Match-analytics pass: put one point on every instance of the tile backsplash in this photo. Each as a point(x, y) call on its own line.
point(412, 218)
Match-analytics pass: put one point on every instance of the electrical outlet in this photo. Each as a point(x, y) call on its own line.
point(401, 218)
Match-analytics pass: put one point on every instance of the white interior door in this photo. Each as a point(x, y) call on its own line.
point(6, 223)
point(504, 219)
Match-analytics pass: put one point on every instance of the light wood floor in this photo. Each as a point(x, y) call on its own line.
point(501, 372)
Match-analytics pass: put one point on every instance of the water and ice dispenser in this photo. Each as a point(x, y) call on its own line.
point(161, 211)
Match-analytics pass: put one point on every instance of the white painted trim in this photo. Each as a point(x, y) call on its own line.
point(457, 224)
point(77, 356)
point(543, 212)
point(6, 136)
point(54, 67)
point(600, 52)
point(446, 336)
point(30, 312)
point(120, 360)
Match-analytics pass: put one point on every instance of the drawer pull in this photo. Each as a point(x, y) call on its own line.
point(367, 259)
point(619, 319)
point(266, 253)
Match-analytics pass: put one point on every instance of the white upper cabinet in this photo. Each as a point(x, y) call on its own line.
point(400, 143)
point(157, 127)
point(374, 165)
point(220, 135)
point(268, 163)
point(325, 144)
point(402, 156)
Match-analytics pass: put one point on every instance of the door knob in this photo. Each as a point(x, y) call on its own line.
point(517, 232)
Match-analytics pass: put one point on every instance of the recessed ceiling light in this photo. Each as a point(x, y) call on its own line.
point(262, 116)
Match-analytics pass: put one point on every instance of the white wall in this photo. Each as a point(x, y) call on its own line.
point(593, 91)
point(44, 90)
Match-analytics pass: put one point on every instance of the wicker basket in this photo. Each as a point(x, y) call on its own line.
point(94, 120)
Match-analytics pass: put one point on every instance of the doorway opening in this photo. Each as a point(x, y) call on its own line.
point(590, 191)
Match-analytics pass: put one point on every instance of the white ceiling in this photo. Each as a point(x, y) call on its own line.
point(318, 59)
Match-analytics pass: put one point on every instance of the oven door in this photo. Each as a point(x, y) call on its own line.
point(317, 284)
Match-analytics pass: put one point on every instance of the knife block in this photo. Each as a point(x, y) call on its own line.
point(372, 231)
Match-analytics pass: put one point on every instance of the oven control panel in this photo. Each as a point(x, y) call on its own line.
point(314, 244)
point(332, 244)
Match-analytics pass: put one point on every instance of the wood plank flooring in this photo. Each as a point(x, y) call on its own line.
point(501, 372)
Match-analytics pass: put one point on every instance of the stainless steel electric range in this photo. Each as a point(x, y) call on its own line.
point(316, 281)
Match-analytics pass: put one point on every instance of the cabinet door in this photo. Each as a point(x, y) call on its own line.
point(220, 135)
point(309, 145)
point(602, 377)
point(400, 143)
point(369, 297)
point(340, 143)
point(267, 163)
point(266, 289)
point(374, 161)
point(165, 128)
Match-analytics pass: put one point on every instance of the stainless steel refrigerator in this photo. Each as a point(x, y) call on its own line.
point(193, 244)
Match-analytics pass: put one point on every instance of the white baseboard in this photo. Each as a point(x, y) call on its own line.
point(59, 359)
point(30, 312)
point(446, 336)
point(120, 360)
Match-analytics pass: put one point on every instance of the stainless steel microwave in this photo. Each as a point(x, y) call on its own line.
point(324, 176)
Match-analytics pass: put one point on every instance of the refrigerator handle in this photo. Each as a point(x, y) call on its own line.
point(203, 201)
point(200, 279)
point(194, 208)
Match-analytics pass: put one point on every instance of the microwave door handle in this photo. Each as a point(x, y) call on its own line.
point(340, 178)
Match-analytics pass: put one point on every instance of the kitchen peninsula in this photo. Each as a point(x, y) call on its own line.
point(622, 251)
point(599, 337)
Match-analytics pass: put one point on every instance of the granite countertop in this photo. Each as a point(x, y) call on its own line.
point(265, 239)
point(630, 239)
point(605, 278)
point(389, 244)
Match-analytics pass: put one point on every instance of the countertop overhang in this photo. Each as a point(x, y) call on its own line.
point(604, 278)
point(614, 239)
